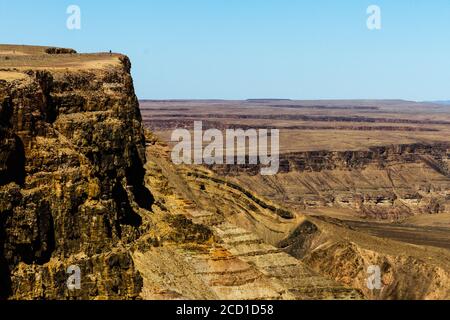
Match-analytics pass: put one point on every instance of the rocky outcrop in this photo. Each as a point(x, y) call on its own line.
point(436, 156)
point(406, 271)
point(390, 183)
point(71, 176)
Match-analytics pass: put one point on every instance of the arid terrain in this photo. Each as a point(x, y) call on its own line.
point(86, 180)
point(375, 169)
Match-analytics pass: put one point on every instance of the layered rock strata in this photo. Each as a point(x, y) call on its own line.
point(71, 172)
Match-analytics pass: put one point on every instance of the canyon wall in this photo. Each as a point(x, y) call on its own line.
point(386, 182)
point(436, 155)
point(71, 175)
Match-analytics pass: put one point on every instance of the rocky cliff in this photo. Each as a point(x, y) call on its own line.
point(435, 155)
point(386, 182)
point(407, 271)
point(71, 170)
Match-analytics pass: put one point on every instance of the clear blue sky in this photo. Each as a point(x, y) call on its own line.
point(237, 49)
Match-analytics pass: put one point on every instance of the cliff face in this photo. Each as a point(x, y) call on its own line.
point(71, 175)
point(407, 271)
point(386, 182)
point(436, 155)
point(378, 156)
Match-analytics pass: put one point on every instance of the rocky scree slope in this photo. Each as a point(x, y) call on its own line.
point(224, 244)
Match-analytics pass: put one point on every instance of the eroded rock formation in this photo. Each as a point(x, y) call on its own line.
point(386, 182)
point(71, 168)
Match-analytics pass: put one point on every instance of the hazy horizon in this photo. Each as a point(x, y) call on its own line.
point(235, 50)
point(444, 101)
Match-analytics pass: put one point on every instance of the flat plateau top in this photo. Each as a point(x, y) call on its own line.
point(338, 125)
point(20, 57)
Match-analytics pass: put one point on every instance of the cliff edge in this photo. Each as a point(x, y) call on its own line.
point(72, 151)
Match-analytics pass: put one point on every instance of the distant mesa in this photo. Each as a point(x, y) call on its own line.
point(267, 100)
point(442, 102)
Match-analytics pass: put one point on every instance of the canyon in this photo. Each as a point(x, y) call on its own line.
point(87, 180)
point(370, 175)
